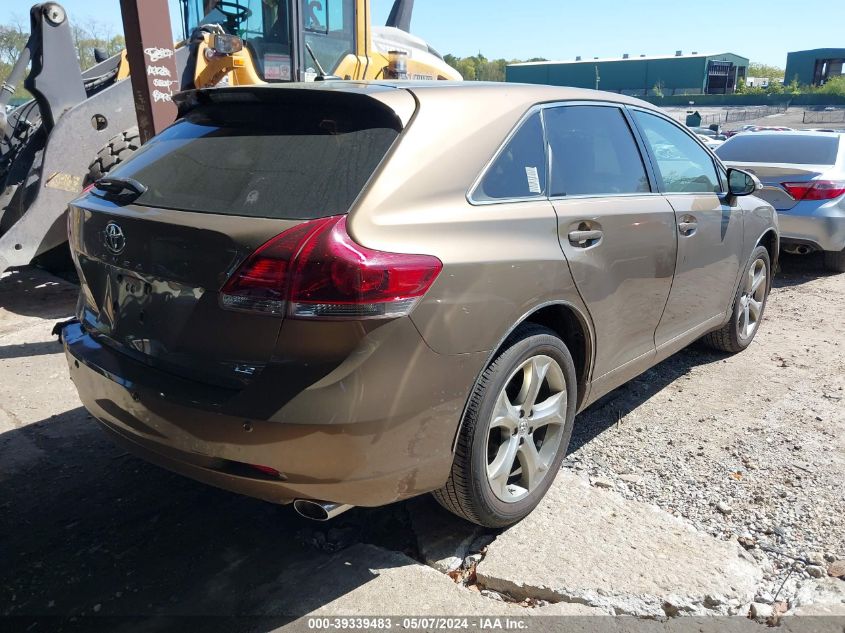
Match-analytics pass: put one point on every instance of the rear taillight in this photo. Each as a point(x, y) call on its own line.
point(261, 283)
point(815, 189)
point(316, 271)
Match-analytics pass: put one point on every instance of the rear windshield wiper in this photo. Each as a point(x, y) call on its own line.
point(121, 185)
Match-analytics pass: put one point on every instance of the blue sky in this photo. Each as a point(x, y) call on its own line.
point(763, 30)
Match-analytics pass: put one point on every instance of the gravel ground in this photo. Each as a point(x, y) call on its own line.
point(750, 446)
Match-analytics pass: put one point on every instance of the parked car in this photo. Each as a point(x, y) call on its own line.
point(708, 132)
point(758, 128)
point(351, 294)
point(710, 141)
point(803, 174)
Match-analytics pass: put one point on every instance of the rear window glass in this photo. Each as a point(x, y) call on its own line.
point(269, 161)
point(753, 147)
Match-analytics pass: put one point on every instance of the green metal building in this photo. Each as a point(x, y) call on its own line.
point(677, 74)
point(814, 67)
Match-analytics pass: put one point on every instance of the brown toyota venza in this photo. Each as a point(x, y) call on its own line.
point(347, 294)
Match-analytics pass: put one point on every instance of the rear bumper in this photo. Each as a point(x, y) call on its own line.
point(821, 226)
point(369, 433)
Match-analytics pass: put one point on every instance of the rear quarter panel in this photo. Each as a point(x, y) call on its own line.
point(760, 218)
point(500, 261)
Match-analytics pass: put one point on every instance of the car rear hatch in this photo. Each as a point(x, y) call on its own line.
point(780, 159)
point(774, 177)
point(155, 244)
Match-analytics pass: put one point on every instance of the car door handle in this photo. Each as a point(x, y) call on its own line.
point(584, 239)
point(687, 228)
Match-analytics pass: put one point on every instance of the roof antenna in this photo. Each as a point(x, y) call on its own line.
point(400, 15)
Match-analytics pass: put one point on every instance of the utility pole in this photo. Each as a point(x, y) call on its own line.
point(598, 79)
point(152, 63)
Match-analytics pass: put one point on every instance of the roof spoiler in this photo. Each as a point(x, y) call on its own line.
point(400, 15)
point(343, 95)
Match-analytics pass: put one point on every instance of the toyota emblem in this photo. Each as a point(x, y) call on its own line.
point(113, 238)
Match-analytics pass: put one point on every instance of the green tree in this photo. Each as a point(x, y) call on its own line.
point(479, 68)
point(756, 69)
point(12, 41)
point(91, 36)
point(467, 68)
point(775, 87)
point(835, 86)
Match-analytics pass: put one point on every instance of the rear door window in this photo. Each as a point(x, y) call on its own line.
point(269, 161)
point(593, 152)
point(519, 171)
point(684, 166)
point(781, 147)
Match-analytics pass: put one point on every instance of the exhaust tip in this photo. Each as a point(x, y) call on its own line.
point(319, 510)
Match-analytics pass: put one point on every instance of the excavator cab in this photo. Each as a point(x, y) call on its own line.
point(244, 42)
point(239, 42)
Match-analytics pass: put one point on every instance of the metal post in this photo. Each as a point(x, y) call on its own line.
point(152, 63)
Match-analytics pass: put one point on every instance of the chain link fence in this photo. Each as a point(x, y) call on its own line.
point(815, 116)
point(735, 115)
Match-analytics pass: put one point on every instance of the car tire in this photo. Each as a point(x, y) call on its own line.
point(483, 486)
point(118, 150)
point(739, 331)
point(835, 261)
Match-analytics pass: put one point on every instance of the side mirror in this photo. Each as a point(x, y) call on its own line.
point(741, 183)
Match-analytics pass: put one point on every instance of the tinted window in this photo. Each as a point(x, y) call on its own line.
point(683, 165)
point(519, 171)
point(593, 152)
point(273, 161)
point(780, 148)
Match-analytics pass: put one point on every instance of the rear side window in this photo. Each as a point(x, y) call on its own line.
point(269, 161)
point(683, 165)
point(780, 148)
point(519, 171)
point(593, 152)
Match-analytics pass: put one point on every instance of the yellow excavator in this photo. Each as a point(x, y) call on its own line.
point(81, 124)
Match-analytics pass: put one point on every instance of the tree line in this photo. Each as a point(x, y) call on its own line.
point(479, 68)
point(778, 84)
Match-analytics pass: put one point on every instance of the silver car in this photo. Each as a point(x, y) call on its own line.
point(803, 174)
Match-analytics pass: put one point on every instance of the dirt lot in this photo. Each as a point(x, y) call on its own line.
point(751, 446)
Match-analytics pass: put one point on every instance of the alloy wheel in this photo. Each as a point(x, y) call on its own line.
point(526, 428)
point(752, 299)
